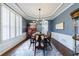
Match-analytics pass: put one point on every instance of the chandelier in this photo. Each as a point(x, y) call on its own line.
point(39, 16)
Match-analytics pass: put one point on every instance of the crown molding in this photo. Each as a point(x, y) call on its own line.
point(60, 9)
point(63, 10)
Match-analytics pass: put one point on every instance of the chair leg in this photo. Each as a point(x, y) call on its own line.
point(45, 45)
point(50, 45)
point(35, 52)
point(33, 46)
point(44, 52)
point(30, 44)
point(35, 49)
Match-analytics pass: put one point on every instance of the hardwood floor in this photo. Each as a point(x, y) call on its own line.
point(11, 51)
point(22, 49)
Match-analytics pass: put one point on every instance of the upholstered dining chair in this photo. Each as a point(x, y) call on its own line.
point(42, 42)
point(32, 40)
point(36, 39)
point(49, 38)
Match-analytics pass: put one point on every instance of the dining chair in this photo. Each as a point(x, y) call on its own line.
point(49, 38)
point(36, 39)
point(32, 40)
point(42, 42)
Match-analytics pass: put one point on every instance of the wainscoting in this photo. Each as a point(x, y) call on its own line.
point(64, 43)
point(62, 49)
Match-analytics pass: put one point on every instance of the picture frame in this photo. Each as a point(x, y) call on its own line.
point(60, 26)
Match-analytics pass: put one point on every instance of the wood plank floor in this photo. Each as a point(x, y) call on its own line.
point(23, 50)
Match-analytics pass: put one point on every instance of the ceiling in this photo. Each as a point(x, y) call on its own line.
point(30, 11)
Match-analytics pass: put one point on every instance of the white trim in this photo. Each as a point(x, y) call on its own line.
point(8, 8)
point(49, 17)
point(63, 10)
point(23, 11)
point(12, 9)
point(64, 39)
point(58, 8)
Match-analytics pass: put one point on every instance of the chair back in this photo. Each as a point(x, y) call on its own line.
point(49, 34)
point(42, 37)
point(33, 36)
point(37, 37)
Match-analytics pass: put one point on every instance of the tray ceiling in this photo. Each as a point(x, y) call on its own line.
point(30, 10)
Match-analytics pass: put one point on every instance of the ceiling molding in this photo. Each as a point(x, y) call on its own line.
point(41, 17)
point(23, 10)
point(60, 9)
point(56, 9)
point(63, 10)
point(13, 9)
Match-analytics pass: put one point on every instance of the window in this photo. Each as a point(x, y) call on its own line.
point(5, 23)
point(17, 25)
point(20, 25)
point(12, 25)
